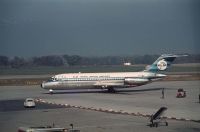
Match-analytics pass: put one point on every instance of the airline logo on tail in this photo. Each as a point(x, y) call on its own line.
point(162, 65)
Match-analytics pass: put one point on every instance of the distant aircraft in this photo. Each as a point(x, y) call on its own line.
point(110, 80)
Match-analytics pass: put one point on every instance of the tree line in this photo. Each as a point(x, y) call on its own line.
point(76, 60)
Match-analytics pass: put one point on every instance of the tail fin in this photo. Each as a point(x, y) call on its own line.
point(162, 63)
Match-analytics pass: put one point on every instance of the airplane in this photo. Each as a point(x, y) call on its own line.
point(110, 80)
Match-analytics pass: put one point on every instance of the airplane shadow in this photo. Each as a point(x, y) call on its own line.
point(128, 91)
point(140, 90)
point(74, 92)
point(118, 91)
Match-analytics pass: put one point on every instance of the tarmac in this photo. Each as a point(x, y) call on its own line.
point(96, 110)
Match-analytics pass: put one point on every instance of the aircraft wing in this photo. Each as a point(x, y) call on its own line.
point(107, 84)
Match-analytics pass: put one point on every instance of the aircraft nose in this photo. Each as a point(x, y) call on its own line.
point(42, 85)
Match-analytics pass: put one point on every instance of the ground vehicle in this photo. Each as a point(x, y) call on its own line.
point(46, 129)
point(29, 103)
point(156, 119)
point(41, 129)
point(181, 93)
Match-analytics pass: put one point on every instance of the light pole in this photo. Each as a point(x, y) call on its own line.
point(72, 126)
point(199, 94)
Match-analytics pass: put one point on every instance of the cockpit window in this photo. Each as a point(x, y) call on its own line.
point(52, 79)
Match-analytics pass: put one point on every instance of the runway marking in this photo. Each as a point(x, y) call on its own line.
point(114, 111)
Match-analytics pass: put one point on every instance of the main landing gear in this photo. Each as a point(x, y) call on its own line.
point(111, 90)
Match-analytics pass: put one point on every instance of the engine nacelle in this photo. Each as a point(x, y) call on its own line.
point(136, 81)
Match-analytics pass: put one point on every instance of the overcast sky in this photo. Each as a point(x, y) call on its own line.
point(99, 27)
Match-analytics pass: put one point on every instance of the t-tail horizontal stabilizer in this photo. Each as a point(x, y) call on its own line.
point(162, 63)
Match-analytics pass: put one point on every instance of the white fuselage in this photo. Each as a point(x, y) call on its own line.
point(100, 80)
point(111, 80)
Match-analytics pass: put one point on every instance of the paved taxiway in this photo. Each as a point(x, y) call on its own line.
point(145, 99)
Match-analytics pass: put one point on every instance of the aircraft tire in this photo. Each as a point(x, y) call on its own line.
point(156, 124)
point(166, 123)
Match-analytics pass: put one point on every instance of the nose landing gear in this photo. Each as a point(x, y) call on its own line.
point(50, 91)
